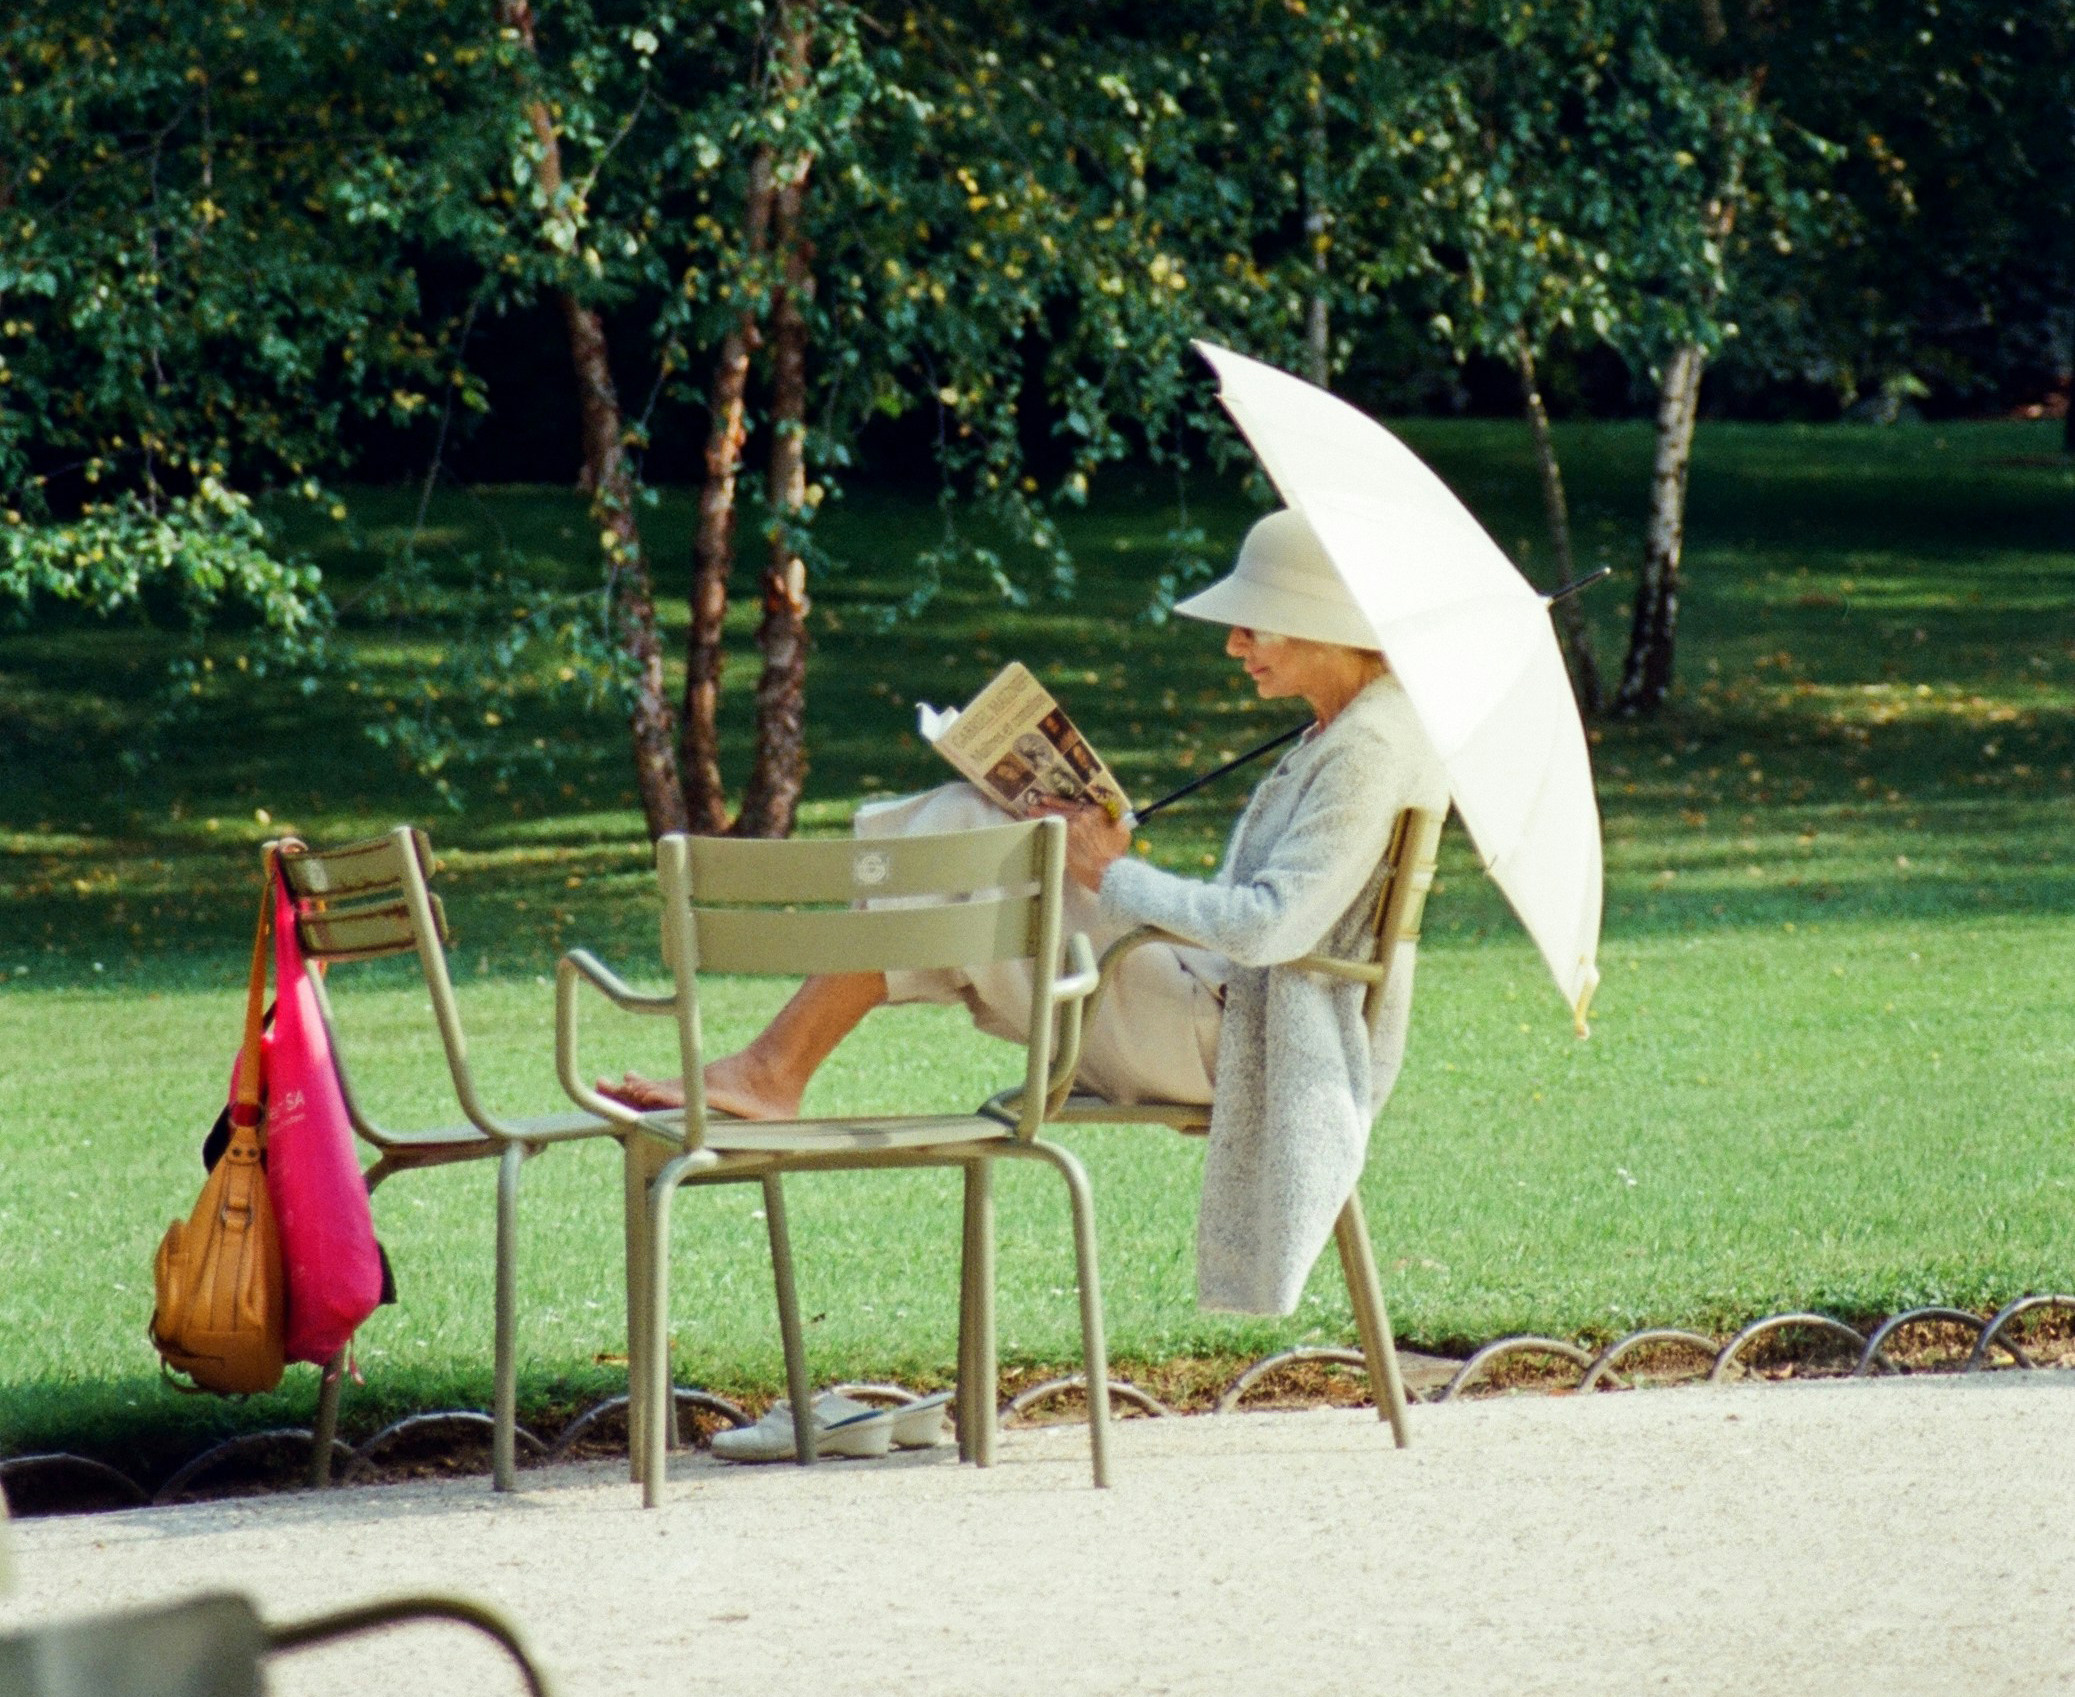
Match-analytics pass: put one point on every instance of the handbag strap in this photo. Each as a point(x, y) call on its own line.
point(245, 1109)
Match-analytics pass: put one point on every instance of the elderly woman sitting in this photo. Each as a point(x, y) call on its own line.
point(1294, 1072)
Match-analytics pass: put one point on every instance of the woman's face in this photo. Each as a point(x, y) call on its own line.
point(1281, 665)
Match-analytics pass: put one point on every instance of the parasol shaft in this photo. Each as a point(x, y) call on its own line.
point(1194, 784)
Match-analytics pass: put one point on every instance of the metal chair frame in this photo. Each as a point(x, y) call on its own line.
point(215, 1643)
point(800, 908)
point(371, 899)
point(1400, 903)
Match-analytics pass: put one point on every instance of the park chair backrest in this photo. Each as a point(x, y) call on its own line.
point(1402, 901)
point(367, 900)
point(962, 898)
point(1403, 877)
point(202, 1647)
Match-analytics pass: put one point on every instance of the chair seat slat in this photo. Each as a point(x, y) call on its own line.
point(838, 1137)
point(1082, 1108)
point(547, 1128)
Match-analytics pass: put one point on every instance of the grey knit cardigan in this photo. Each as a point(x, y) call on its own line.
point(1300, 1073)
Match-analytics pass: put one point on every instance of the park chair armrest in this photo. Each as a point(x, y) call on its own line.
point(610, 984)
point(1113, 957)
point(579, 967)
point(1060, 1084)
point(1080, 983)
point(1085, 988)
point(1070, 995)
point(1354, 971)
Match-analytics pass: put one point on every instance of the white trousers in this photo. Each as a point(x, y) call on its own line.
point(1154, 1038)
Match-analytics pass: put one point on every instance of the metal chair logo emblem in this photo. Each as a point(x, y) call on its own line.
point(870, 867)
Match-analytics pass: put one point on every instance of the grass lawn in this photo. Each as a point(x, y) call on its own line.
point(1832, 1064)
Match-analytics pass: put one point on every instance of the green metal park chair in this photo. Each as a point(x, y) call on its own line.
point(1401, 900)
point(800, 908)
point(372, 899)
point(214, 1645)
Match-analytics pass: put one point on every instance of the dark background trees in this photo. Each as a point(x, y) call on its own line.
point(766, 246)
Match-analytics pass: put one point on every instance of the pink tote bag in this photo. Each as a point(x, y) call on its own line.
point(328, 1247)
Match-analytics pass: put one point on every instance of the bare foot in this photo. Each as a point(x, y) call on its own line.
point(644, 1093)
point(736, 1085)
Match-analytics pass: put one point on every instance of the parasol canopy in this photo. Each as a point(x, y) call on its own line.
point(1468, 637)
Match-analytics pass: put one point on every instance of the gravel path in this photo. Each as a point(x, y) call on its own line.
point(1904, 1536)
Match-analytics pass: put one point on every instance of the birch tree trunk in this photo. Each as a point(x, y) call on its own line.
point(1318, 218)
point(713, 549)
point(771, 797)
point(1571, 627)
point(610, 480)
point(1646, 677)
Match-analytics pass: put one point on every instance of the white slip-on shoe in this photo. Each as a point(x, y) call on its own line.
point(831, 1406)
point(770, 1439)
point(919, 1425)
point(868, 1432)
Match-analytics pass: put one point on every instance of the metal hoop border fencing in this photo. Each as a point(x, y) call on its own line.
point(350, 1463)
point(1594, 1372)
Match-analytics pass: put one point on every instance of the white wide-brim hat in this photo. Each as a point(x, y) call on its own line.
point(1284, 584)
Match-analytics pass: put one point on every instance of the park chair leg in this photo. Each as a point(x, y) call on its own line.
point(331, 1387)
point(982, 1348)
point(1094, 1346)
point(634, 1178)
point(656, 1391)
point(968, 1371)
point(505, 1408)
point(796, 1383)
point(1372, 1320)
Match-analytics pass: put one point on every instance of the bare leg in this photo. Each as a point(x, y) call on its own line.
point(766, 1080)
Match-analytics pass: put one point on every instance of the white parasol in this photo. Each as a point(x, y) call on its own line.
point(1466, 634)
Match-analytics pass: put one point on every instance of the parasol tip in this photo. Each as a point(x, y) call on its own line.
point(1576, 584)
point(1589, 978)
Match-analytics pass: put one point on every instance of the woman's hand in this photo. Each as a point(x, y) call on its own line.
point(1093, 840)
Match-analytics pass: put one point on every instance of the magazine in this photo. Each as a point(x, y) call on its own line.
point(1017, 744)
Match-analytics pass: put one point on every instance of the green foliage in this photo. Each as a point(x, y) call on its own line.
point(195, 561)
point(227, 233)
point(203, 209)
point(193, 556)
point(976, 198)
point(1583, 161)
point(1950, 237)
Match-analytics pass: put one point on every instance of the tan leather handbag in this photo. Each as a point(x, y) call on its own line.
point(222, 1300)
